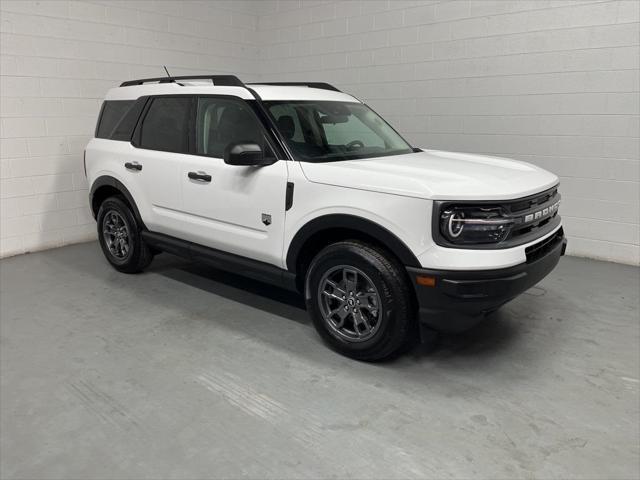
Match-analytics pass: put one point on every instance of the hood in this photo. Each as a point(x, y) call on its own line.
point(435, 175)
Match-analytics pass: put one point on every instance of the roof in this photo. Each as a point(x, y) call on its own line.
point(266, 92)
point(292, 92)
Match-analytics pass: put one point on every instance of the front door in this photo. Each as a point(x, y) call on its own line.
point(236, 209)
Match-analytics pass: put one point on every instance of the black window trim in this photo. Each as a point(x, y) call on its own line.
point(100, 117)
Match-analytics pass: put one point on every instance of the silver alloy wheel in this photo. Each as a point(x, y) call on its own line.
point(350, 303)
point(116, 234)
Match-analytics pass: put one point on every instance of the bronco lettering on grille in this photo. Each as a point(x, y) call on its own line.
point(542, 213)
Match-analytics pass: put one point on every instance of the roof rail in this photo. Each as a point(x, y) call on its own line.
point(321, 85)
point(218, 80)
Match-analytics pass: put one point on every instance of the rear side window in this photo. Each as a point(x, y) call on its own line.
point(165, 126)
point(112, 112)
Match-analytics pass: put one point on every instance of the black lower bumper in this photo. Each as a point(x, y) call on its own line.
point(457, 300)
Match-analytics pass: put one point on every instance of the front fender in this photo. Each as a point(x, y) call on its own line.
point(351, 222)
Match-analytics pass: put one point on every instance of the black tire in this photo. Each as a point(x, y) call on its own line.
point(396, 319)
point(138, 254)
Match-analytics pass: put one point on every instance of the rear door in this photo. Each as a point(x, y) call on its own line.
point(161, 145)
point(237, 209)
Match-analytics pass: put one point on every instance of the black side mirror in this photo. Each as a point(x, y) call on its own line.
point(246, 154)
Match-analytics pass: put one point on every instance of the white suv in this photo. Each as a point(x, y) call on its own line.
point(305, 187)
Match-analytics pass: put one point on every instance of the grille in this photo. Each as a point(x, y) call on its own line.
point(540, 249)
point(534, 201)
point(521, 208)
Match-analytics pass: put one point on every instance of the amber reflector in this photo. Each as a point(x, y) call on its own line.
point(426, 281)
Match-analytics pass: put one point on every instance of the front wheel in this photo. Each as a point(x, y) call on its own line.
point(359, 300)
point(119, 237)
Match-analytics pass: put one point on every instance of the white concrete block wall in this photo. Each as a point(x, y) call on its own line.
point(552, 82)
point(58, 58)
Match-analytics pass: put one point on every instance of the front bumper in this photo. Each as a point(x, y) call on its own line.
point(452, 300)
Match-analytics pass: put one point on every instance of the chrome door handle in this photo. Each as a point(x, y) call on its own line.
point(199, 176)
point(133, 166)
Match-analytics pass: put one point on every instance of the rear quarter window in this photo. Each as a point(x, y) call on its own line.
point(125, 127)
point(112, 112)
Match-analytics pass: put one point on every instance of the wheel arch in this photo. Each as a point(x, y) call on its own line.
point(321, 231)
point(107, 186)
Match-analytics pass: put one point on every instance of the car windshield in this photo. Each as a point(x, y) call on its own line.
point(319, 131)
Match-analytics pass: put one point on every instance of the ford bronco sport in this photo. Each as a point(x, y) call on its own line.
point(306, 187)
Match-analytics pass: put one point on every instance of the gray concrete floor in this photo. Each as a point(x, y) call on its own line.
point(187, 372)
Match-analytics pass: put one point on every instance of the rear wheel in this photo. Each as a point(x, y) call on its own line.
point(359, 300)
point(119, 237)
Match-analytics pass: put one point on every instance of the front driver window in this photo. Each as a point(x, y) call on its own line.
point(222, 121)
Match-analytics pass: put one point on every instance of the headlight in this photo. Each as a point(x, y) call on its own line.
point(463, 225)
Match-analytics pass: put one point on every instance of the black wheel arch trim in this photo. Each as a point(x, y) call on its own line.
point(108, 181)
point(349, 222)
